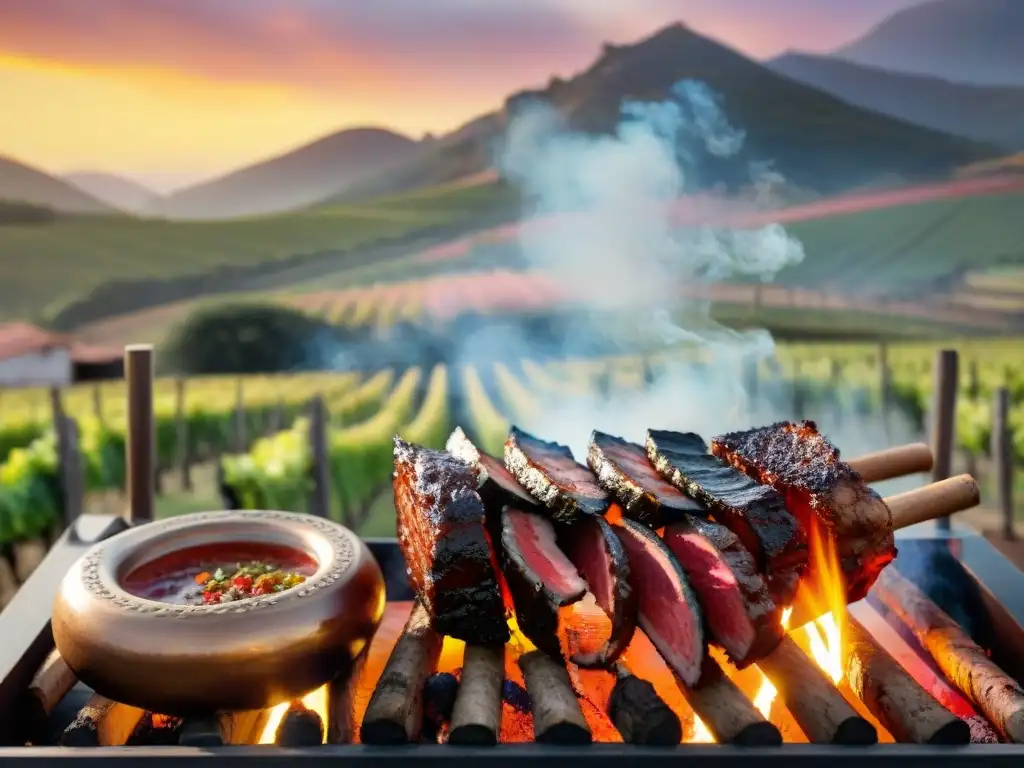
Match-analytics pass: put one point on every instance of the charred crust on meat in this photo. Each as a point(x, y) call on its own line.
point(792, 453)
point(756, 513)
point(443, 538)
point(623, 470)
point(553, 477)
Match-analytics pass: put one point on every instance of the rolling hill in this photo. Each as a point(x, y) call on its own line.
point(292, 180)
point(815, 140)
point(25, 184)
point(117, 191)
point(985, 113)
point(968, 41)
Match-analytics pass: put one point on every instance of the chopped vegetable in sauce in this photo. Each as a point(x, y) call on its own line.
point(244, 581)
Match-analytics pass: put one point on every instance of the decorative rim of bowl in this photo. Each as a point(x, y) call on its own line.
point(99, 575)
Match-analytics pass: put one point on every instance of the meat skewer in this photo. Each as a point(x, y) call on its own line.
point(553, 477)
point(963, 661)
point(754, 512)
point(891, 463)
point(557, 716)
point(639, 714)
point(906, 709)
point(394, 714)
point(443, 538)
point(476, 719)
point(820, 489)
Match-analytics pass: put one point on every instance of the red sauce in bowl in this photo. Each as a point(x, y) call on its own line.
point(172, 577)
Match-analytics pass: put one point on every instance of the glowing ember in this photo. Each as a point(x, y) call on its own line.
point(315, 701)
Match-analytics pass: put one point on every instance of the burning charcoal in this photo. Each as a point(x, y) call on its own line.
point(395, 712)
point(200, 732)
point(738, 611)
point(155, 731)
point(592, 545)
point(624, 471)
point(727, 712)
point(553, 477)
point(999, 697)
point(439, 694)
point(925, 674)
point(756, 513)
point(906, 709)
point(639, 714)
point(341, 702)
point(818, 707)
point(239, 728)
point(300, 727)
point(557, 716)
point(50, 684)
point(442, 535)
point(102, 723)
point(539, 576)
point(668, 612)
point(476, 717)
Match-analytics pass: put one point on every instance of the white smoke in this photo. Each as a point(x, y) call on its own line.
point(621, 248)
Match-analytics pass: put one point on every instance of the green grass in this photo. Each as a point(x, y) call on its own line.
point(44, 266)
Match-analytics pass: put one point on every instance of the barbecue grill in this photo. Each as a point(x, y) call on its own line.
point(956, 571)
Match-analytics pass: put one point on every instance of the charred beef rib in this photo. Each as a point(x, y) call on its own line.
point(553, 477)
point(624, 471)
point(442, 535)
point(756, 513)
point(738, 611)
point(819, 488)
point(494, 481)
point(539, 576)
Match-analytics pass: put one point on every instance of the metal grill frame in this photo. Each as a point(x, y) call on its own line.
point(26, 639)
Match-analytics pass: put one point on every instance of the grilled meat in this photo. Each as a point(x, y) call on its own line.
point(539, 576)
point(668, 610)
point(738, 610)
point(442, 536)
point(624, 471)
point(599, 556)
point(553, 477)
point(755, 513)
point(495, 482)
point(819, 488)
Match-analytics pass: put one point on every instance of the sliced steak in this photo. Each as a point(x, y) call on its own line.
point(624, 471)
point(553, 477)
point(539, 576)
point(756, 513)
point(599, 555)
point(820, 489)
point(738, 610)
point(442, 535)
point(668, 611)
point(494, 481)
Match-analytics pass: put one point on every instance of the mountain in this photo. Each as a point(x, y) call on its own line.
point(24, 184)
point(968, 41)
point(815, 140)
point(117, 191)
point(291, 180)
point(986, 113)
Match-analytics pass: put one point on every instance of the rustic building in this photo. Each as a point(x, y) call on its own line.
point(32, 357)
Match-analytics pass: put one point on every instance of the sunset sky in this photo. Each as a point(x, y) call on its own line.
point(168, 91)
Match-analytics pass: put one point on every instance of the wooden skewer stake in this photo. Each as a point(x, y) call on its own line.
point(895, 462)
point(141, 443)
